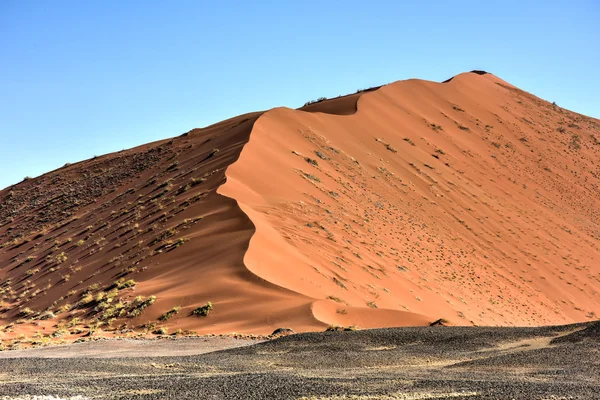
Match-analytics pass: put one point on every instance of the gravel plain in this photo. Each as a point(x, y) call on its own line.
point(550, 363)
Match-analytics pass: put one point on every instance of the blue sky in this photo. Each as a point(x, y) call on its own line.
point(84, 78)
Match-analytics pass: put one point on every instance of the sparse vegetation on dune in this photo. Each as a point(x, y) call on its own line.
point(161, 331)
point(204, 310)
point(170, 314)
point(320, 99)
point(124, 284)
point(335, 328)
point(139, 305)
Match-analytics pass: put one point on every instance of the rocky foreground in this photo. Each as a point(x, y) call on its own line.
point(559, 362)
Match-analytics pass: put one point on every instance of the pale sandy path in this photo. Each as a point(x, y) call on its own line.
point(128, 348)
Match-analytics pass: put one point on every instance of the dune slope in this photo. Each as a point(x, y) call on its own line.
point(83, 242)
point(468, 200)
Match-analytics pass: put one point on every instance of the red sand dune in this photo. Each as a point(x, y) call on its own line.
point(469, 200)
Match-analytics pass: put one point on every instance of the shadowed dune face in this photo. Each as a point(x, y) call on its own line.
point(73, 239)
point(469, 200)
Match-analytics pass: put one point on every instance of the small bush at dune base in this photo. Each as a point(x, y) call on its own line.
point(439, 322)
point(161, 331)
point(335, 328)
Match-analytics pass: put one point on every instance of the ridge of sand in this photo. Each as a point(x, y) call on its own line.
point(263, 263)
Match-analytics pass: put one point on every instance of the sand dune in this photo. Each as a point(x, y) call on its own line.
point(468, 200)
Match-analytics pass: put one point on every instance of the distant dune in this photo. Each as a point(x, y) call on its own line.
point(470, 201)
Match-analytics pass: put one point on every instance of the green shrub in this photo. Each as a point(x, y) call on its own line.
point(204, 310)
point(161, 331)
point(139, 304)
point(124, 284)
point(61, 258)
point(336, 328)
point(169, 314)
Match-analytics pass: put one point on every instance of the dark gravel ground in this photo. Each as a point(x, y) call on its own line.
point(548, 363)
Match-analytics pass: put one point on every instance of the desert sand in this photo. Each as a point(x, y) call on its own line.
point(469, 200)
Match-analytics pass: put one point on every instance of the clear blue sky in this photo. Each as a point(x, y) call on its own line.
point(84, 78)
